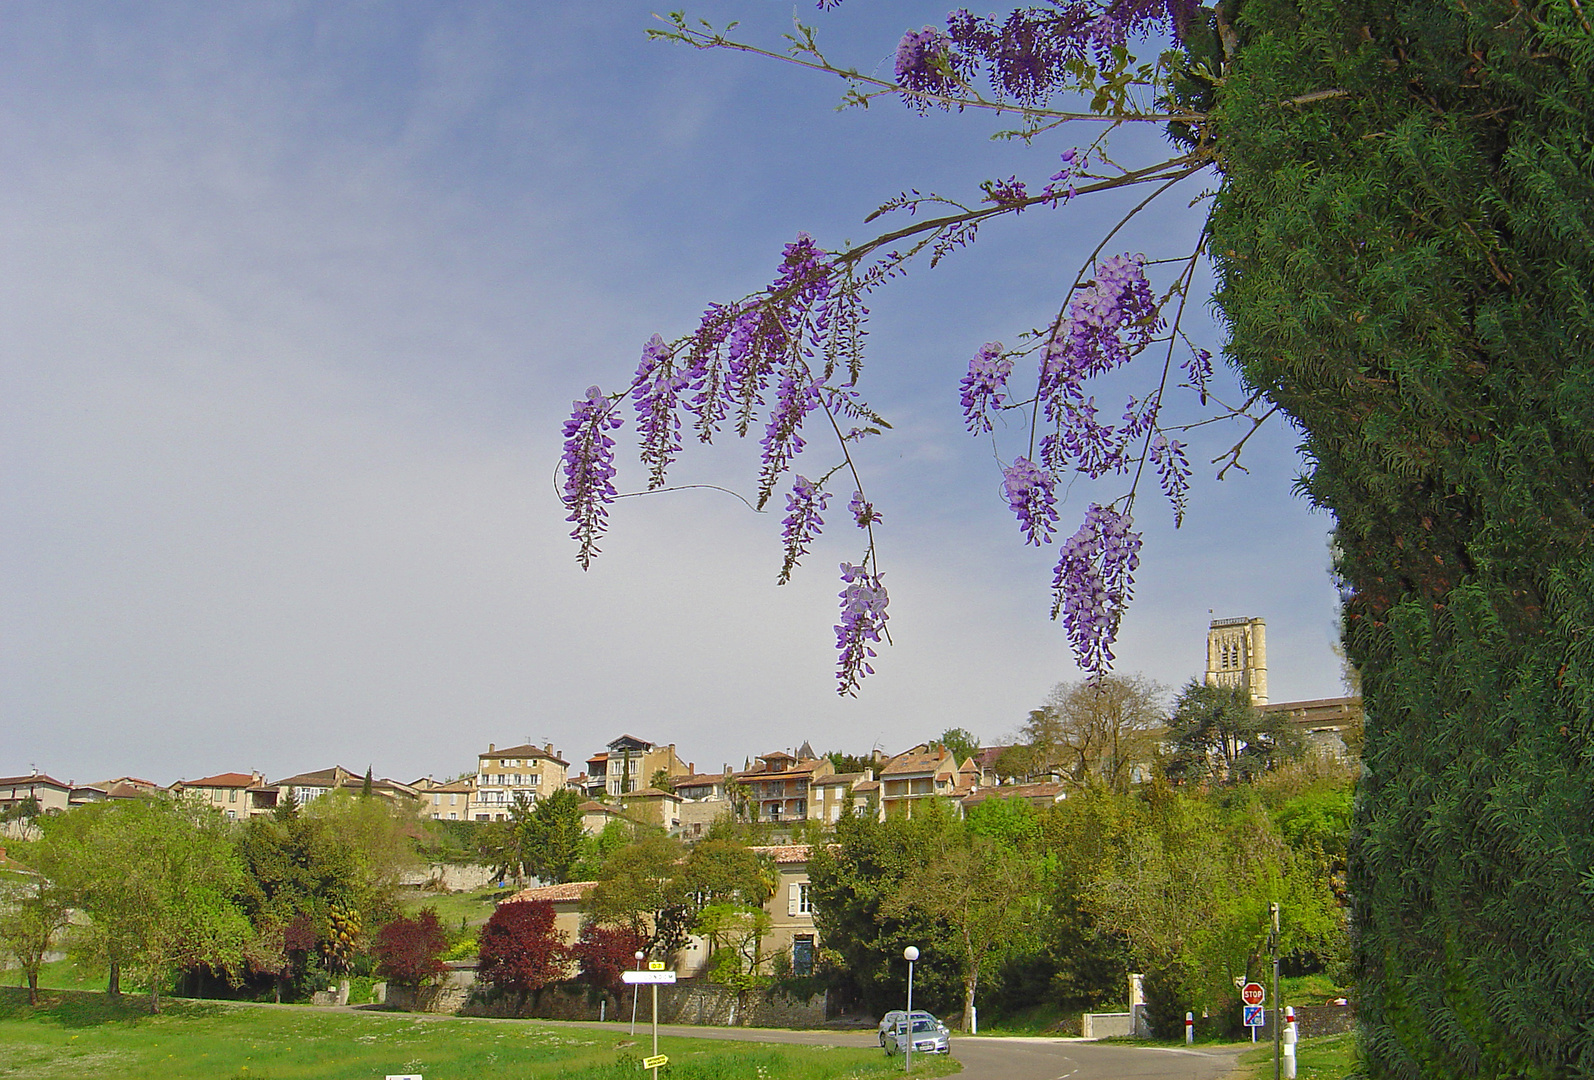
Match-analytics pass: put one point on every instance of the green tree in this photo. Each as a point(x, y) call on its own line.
point(980, 890)
point(641, 888)
point(961, 743)
point(33, 915)
point(1216, 735)
point(157, 879)
point(555, 837)
point(735, 933)
point(851, 885)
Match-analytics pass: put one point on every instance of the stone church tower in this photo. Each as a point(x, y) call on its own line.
point(1237, 655)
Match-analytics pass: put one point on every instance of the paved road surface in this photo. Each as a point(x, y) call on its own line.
point(1009, 1058)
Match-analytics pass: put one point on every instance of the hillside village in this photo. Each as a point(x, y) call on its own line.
point(772, 811)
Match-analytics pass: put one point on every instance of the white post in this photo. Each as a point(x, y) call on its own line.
point(974, 1020)
point(1291, 1036)
point(910, 954)
point(634, 994)
point(655, 1028)
point(1189, 1028)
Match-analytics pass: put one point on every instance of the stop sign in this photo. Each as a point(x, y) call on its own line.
point(1253, 994)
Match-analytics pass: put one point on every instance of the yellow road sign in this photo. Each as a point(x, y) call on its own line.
point(656, 1062)
point(656, 965)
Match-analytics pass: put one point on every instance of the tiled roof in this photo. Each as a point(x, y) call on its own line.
point(226, 779)
point(800, 769)
point(522, 752)
point(318, 778)
point(865, 785)
point(1035, 793)
point(32, 778)
point(785, 854)
point(840, 779)
point(914, 761)
point(651, 793)
point(570, 890)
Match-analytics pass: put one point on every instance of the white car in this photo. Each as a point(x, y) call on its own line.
point(889, 1021)
point(929, 1035)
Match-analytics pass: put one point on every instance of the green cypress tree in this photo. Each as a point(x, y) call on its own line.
point(1405, 242)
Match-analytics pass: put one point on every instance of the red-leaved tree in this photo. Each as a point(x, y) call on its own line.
point(604, 950)
point(520, 949)
point(409, 950)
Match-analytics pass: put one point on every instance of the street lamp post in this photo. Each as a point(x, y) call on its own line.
point(640, 956)
point(910, 954)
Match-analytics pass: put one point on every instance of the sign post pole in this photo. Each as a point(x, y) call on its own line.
point(1273, 941)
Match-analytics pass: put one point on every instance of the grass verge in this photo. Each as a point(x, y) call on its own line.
point(1327, 1057)
point(75, 1034)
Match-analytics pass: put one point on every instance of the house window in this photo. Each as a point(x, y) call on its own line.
point(534, 779)
point(805, 905)
point(517, 779)
point(232, 815)
point(802, 954)
point(232, 795)
point(452, 816)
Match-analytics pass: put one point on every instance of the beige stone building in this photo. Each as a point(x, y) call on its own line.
point(630, 764)
point(229, 793)
point(502, 774)
point(830, 794)
point(780, 787)
point(1237, 655)
point(448, 801)
point(928, 771)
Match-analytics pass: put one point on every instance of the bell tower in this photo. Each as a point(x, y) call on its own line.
point(1237, 655)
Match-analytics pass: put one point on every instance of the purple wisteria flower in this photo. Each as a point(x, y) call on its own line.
point(1093, 583)
point(802, 522)
point(1108, 322)
point(926, 65)
point(863, 619)
point(1173, 473)
point(1009, 193)
point(863, 511)
point(1199, 369)
point(1029, 491)
point(588, 465)
point(656, 391)
point(783, 440)
point(1060, 185)
point(984, 387)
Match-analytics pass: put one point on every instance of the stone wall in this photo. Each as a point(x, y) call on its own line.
point(681, 1003)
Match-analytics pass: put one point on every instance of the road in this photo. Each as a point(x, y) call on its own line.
point(1018, 1058)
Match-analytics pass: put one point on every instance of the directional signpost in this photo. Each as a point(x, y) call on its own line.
point(1252, 1014)
point(653, 977)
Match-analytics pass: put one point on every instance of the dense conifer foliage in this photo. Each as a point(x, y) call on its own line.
point(1405, 235)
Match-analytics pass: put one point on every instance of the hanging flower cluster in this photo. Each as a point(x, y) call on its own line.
point(983, 387)
point(1093, 584)
point(588, 466)
point(802, 522)
point(863, 619)
point(1028, 488)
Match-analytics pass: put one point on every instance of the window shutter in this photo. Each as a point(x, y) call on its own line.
point(791, 898)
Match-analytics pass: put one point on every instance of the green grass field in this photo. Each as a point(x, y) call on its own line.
point(472, 908)
point(1327, 1057)
point(77, 1034)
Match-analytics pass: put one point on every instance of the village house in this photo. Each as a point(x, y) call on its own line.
point(779, 788)
point(228, 793)
point(502, 775)
point(446, 801)
point(630, 764)
point(928, 771)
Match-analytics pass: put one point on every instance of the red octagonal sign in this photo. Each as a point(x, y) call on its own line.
point(1253, 994)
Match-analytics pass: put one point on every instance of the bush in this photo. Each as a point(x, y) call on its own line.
point(409, 950)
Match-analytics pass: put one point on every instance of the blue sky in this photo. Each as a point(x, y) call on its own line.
point(297, 296)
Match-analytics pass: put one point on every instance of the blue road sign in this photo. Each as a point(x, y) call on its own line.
point(1253, 1015)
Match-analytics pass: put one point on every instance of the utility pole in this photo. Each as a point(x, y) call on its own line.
point(1278, 1002)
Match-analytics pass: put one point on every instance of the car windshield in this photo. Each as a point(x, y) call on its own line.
point(923, 1023)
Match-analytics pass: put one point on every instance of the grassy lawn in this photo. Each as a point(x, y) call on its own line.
point(74, 1034)
point(1327, 1057)
point(472, 908)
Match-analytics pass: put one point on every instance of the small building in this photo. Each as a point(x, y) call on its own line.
point(51, 794)
point(567, 900)
point(1040, 796)
point(653, 806)
point(309, 786)
point(832, 793)
point(928, 771)
point(228, 793)
point(448, 801)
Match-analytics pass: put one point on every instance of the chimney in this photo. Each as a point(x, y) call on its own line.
point(489, 748)
point(691, 767)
